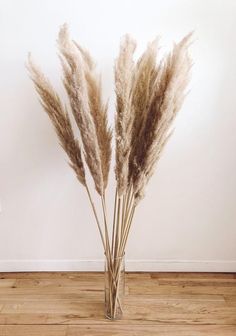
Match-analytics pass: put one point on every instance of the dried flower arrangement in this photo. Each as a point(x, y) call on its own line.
point(148, 96)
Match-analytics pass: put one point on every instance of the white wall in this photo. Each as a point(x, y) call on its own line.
point(188, 219)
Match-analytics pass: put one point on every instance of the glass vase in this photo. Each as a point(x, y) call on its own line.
point(114, 287)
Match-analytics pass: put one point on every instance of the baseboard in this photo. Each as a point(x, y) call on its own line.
point(131, 265)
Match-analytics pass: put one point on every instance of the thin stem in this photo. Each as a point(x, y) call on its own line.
point(118, 284)
point(106, 224)
point(124, 199)
point(96, 216)
point(114, 224)
point(117, 228)
point(127, 214)
point(128, 229)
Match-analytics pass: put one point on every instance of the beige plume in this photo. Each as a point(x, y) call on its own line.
point(124, 71)
point(98, 111)
point(59, 117)
point(167, 99)
point(76, 87)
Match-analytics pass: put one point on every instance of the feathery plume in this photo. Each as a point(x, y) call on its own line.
point(145, 76)
point(98, 111)
point(124, 68)
point(76, 87)
point(58, 114)
point(167, 101)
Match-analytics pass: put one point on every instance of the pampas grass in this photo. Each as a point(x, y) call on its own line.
point(58, 114)
point(99, 112)
point(76, 86)
point(165, 98)
point(124, 70)
point(149, 95)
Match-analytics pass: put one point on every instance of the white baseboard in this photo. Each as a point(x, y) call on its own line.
point(131, 265)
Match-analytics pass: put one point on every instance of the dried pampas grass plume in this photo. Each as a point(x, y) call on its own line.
point(166, 101)
point(76, 86)
point(98, 111)
point(145, 79)
point(59, 116)
point(124, 71)
point(145, 76)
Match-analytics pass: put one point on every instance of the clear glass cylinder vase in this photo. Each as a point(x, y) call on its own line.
point(114, 287)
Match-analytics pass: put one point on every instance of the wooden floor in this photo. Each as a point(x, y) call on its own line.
point(160, 304)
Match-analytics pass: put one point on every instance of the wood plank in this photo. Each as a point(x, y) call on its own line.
point(117, 330)
point(80, 295)
point(67, 275)
point(77, 319)
point(136, 311)
point(135, 283)
point(7, 283)
point(192, 275)
point(50, 275)
point(38, 330)
point(230, 298)
point(154, 288)
point(135, 289)
point(129, 275)
point(80, 283)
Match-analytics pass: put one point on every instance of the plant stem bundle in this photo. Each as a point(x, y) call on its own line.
point(149, 95)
